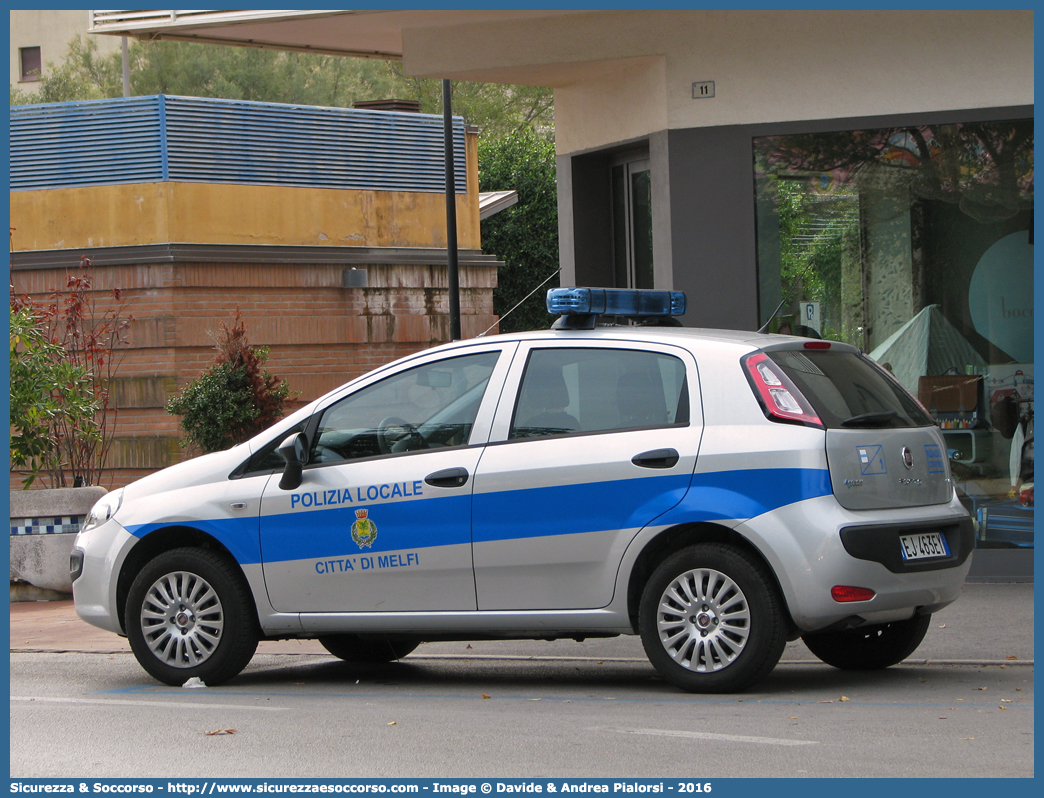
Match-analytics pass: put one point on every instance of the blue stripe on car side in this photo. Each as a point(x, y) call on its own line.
point(567, 509)
point(741, 495)
point(517, 514)
point(418, 524)
point(238, 535)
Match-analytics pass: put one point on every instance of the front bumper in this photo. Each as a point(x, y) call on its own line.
point(103, 551)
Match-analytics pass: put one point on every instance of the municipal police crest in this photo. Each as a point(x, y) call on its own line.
point(364, 531)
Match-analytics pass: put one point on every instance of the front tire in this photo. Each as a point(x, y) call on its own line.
point(190, 614)
point(711, 620)
point(366, 650)
point(871, 648)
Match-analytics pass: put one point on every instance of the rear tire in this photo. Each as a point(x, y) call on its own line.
point(364, 650)
point(190, 614)
point(711, 620)
point(870, 648)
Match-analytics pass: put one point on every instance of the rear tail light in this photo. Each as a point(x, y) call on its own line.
point(779, 397)
point(844, 593)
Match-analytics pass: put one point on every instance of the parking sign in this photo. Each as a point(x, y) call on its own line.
point(810, 315)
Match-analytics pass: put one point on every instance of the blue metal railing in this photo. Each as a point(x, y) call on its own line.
point(191, 139)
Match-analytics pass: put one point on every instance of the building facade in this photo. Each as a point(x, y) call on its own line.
point(863, 175)
point(41, 38)
point(325, 227)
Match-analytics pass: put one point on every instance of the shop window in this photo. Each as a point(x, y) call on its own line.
point(915, 243)
point(30, 63)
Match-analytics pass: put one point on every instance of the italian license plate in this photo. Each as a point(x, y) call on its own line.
point(923, 546)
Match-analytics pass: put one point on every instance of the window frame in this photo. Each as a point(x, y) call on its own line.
point(480, 428)
point(622, 230)
point(33, 75)
point(504, 423)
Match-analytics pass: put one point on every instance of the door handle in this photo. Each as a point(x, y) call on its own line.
point(448, 478)
point(657, 458)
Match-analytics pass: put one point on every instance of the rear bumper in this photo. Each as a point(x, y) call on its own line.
point(880, 543)
point(817, 544)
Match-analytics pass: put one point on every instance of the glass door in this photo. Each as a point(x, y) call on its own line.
point(632, 224)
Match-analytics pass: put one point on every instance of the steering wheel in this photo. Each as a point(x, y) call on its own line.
point(393, 432)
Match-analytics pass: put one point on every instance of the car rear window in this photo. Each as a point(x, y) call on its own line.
point(850, 391)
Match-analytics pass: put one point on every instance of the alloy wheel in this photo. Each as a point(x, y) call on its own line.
point(182, 619)
point(703, 620)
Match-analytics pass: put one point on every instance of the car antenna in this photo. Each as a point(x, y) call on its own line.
point(765, 326)
point(527, 296)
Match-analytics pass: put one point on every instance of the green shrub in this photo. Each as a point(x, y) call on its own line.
point(234, 399)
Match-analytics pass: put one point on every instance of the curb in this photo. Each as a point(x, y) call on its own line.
point(1025, 663)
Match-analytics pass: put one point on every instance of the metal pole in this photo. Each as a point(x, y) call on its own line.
point(126, 69)
point(451, 215)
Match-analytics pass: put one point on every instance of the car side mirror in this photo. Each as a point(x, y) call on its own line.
point(294, 451)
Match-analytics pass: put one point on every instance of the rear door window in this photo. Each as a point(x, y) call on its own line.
point(850, 391)
point(570, 391)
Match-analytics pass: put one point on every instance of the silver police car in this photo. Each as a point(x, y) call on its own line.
point(716, 492)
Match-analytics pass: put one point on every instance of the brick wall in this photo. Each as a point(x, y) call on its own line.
point(320, 333)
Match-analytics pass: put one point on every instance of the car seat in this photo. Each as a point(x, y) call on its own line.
point(542, 405)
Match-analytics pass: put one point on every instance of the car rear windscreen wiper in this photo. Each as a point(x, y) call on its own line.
point(870, 419)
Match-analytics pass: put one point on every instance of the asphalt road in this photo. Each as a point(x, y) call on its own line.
point(537, 709)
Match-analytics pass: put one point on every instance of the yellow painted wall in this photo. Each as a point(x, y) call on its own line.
point(208, 213)
point(215, 213)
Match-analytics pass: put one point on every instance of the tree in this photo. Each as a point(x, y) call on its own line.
point(498, 110)
point(85, 74)
point(93, 339)
point(245, 73)
point(234, 399)
point(64, 357)
point(814, 231)
point(525, 236)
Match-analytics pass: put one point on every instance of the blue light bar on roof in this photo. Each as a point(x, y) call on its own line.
point(615, 302)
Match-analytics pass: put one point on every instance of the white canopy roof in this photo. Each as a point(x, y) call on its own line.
point(927, 345)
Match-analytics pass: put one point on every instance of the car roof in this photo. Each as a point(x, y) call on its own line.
point(687, 337)
point(677, 336)
point(673, 335)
